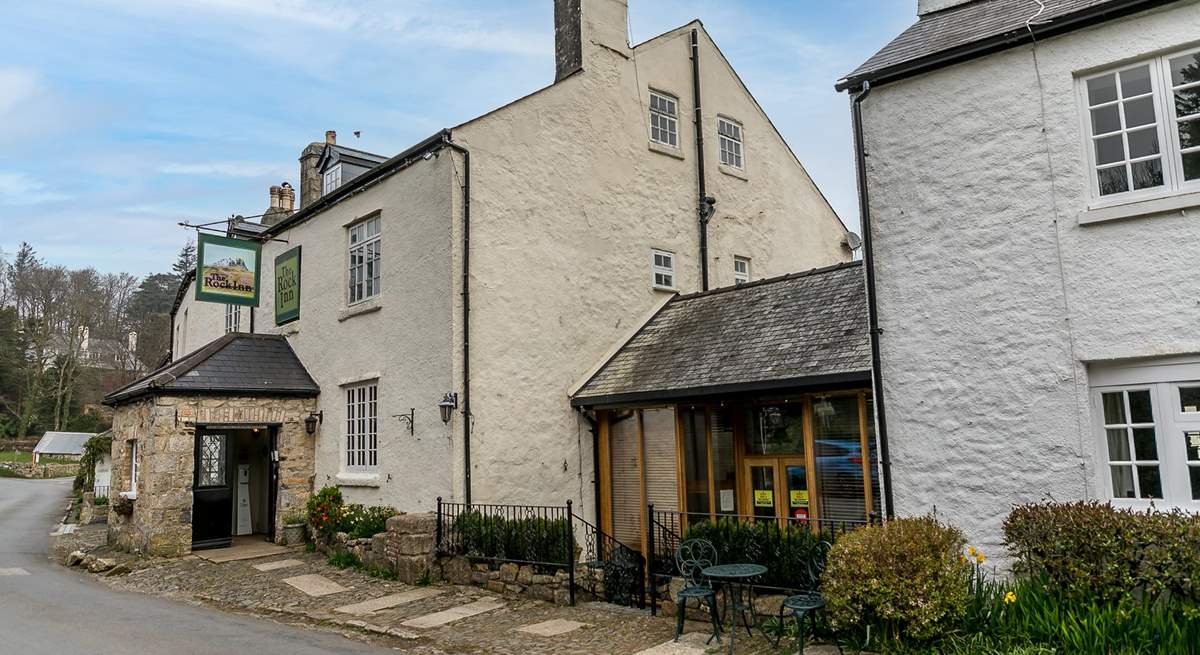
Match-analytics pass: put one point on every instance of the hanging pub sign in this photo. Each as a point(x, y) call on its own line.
point(227, 270)
point(287, 286)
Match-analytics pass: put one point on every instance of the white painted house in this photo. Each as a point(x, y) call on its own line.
point(1032, 188)
point(497, 263)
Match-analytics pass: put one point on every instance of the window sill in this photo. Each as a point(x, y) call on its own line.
point(128, 495)
point(733, 172)
point(666, 150)
point(289, 328)
point(357, 480)
point(358, 309)
point(1138, 208)
point(666, 289)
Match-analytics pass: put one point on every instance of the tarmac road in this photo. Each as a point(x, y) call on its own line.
point(48, 609)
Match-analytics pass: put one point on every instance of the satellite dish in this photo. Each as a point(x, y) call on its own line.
point(852, 241)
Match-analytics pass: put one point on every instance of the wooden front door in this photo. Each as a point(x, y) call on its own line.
point(776, 487)
point(212, 490)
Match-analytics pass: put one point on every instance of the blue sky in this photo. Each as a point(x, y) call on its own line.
point(119, 118)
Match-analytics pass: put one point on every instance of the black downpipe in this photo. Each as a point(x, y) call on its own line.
point(701, 205)
point(860, 156)
point(466, 315)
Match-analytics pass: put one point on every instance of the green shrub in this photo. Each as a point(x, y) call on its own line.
point(361, 522)
point(344, 561)
point(793, 554)
point(1092, 552)
point(544, 540)
point(325, 510)
point(906, 578)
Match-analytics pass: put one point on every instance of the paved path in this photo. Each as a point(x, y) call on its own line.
point(53, 610)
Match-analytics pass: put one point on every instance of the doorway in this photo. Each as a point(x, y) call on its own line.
point(235, 485)
point(778, 487)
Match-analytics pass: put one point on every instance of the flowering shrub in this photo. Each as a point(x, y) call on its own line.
point(325, 510)
point(360, 522)
point(908, 577)
point(1093, 552)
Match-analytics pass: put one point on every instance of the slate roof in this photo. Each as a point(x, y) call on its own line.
point(797, 330)
point(62, 443)
point(980, 27)
point(251, 364)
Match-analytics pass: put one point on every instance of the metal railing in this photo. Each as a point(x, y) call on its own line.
point(546, 538)
point(99, 491)
point(792, 549)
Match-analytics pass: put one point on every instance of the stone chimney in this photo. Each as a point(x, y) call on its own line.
point(925, 7)
point(581, 27)
point(287, 198)
point(282, 199)
point(331, 137)
point(274, 196)
point(310, 178)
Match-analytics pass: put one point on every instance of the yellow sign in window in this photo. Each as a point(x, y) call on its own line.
point(799, 497)
point(764, 498)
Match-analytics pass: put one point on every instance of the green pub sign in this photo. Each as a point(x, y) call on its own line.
point(227, 270)
point(287, 286)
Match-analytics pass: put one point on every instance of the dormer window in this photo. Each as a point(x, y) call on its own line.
point(331, 180)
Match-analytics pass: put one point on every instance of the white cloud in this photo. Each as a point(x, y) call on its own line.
point(21, 189)
point(228, 169)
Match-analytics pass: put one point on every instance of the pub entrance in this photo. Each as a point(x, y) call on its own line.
point(235, 484)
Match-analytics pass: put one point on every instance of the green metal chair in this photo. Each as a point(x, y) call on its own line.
point(691, 558)
point(804, 604)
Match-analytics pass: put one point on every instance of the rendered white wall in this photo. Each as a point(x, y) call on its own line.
point(991, 296)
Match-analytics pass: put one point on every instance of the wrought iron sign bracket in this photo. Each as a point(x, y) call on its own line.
point(407, 418)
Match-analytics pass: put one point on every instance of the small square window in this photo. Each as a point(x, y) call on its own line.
point(741, 270)
point(664, 119)
point(662, 269)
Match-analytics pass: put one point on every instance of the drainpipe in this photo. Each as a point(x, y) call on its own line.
point(703, 205)
point(466, 313)
point(864, 208)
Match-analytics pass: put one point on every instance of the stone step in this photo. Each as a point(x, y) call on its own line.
point(552, 628)
point(278, 564)
point(387, 602)
point(455, 613)
point(315, 585)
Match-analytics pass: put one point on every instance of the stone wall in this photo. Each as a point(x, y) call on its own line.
point(164, 428)
point(31, 470)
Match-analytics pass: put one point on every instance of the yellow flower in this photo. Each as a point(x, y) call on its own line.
point(1010, 598)
point(971, 551)
point(980, 559)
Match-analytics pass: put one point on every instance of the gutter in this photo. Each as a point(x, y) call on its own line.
point(864, 208)
point(701, 197)
point(1004, 41)
point(466, 311)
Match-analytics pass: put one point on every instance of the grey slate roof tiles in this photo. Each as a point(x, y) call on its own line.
point(62, 443)
point(961, 26)
point(255, 364)
point(804, 325)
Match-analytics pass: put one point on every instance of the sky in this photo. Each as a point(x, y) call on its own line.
point(121, 118)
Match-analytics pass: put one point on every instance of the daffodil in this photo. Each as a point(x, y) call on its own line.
point(980, 559)
point(1010, 598)
point(971, 551)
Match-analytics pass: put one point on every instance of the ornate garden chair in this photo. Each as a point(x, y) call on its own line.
point(803, 603)
point(691, 558)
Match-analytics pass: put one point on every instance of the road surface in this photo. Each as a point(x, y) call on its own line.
point(48, 609)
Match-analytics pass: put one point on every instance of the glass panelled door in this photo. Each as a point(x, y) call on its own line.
point(795, 477)
point(762, 494)
point(778, 487)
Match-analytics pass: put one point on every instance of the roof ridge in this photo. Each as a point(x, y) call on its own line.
point(770, 280)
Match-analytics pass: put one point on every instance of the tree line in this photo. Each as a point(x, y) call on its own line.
point(69, 336)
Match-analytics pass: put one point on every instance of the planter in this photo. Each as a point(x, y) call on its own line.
point(293, 535)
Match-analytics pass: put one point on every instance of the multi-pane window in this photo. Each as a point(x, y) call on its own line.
point(133, 468)
point(1131, 435)
point(331, 180)
point(662, 269)
point(362, 426)
point(210, 471)
point(233, 318)
point(364, 260)
point(1144, 127)
point(1150, 438)
point(729, 138)
point(664, 119)
point(741, 270)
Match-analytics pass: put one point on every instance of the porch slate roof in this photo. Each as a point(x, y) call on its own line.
point(237, 363)
point(975, 28)
point(62, 443)
point(796, 330)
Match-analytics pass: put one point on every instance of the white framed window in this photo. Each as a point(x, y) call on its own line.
point(662, 269)
point(362, 426)
point(741, 270)
point(729, 138)
point(1149, 435)
point(133, 470)
point(332, 179)
point(664, 119)
point(364, 260)
point(1143, 128)
point(233, 318)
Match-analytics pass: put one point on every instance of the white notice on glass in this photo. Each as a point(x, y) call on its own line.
point(727, 500)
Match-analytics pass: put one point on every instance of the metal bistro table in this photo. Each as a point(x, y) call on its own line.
point(739, 592)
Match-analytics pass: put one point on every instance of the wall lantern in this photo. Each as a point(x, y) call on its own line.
point(311, 421)
point(449, 404)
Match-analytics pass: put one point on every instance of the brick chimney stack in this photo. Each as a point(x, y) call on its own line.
point(283, 199)
point(287, 198)
point(274, 196)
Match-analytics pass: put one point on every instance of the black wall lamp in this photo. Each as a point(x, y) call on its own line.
point(407, 418)
point(449, 404)
point(311, 421)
